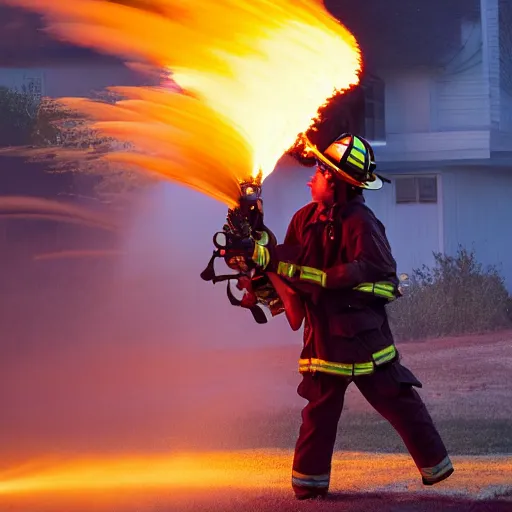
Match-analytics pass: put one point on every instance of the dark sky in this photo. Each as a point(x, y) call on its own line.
point(23, 43)
point(392, 33)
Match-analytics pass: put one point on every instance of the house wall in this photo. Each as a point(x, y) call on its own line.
point(477, 215)
point(79, 79)
point(459, 88)
point(407, 103)
point(497, 48)
point(502, 137)
point(440, 113)
point(414, 231)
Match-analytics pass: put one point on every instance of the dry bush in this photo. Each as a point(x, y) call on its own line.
point(458, 295)
point(43, 130)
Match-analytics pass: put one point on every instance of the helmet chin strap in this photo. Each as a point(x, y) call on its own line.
point(337, 185)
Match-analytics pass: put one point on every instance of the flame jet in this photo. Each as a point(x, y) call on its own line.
point(247, 77)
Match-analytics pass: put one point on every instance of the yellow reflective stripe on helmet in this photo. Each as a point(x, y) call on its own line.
point(352, 159)
point(313, 274)
point(319, 365)
point(358, 153)
point(358, 144)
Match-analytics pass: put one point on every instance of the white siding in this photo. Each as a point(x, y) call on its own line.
point(502, 136)
point(414, 230)
point(460, 90)
point(460, 100)
point(506, 114)
point(407, 103)
point(441, 114)
point(433, 146)
point(497, 47)
point(505, 65)
point(490, 32)
point(477, 214)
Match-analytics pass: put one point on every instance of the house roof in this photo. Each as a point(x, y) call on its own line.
point(24, 44)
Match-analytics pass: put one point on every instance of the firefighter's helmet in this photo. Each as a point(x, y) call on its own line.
point(349, 157)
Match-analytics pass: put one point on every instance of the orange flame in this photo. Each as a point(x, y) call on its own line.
point(255, 72)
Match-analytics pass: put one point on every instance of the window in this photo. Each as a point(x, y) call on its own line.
point(33, 85)
point(374, 119)
point(416, 189)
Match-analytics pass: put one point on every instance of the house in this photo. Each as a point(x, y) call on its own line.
point(31, 61)
point(441, 125)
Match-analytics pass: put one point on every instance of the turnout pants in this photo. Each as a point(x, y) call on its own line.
point(390, 391)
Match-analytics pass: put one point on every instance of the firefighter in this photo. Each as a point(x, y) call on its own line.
point(336, 256)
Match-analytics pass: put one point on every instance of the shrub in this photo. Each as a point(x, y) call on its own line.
point(458, 295)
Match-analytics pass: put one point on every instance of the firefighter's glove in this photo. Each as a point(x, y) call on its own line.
point(252, 250)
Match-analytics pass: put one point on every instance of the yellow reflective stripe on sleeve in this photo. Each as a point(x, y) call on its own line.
point(261, 256)
point(317, 276)
point(264, 238)
point(348, 369)
point(310, 274)
point(363, 368)
point(380, 289)
point(384, 355)
point(313, 274)
point(287, 269)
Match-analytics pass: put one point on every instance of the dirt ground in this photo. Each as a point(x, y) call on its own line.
point(246, 465)
point(254, 480)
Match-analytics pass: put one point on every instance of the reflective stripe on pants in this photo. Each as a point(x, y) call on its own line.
point(310, 481)
point(438, 472)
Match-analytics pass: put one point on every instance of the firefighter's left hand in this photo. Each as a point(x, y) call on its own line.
point(252, 250)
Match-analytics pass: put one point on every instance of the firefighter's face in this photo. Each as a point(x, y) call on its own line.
point(321, 188)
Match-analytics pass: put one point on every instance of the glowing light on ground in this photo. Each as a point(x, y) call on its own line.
point(251, 469)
